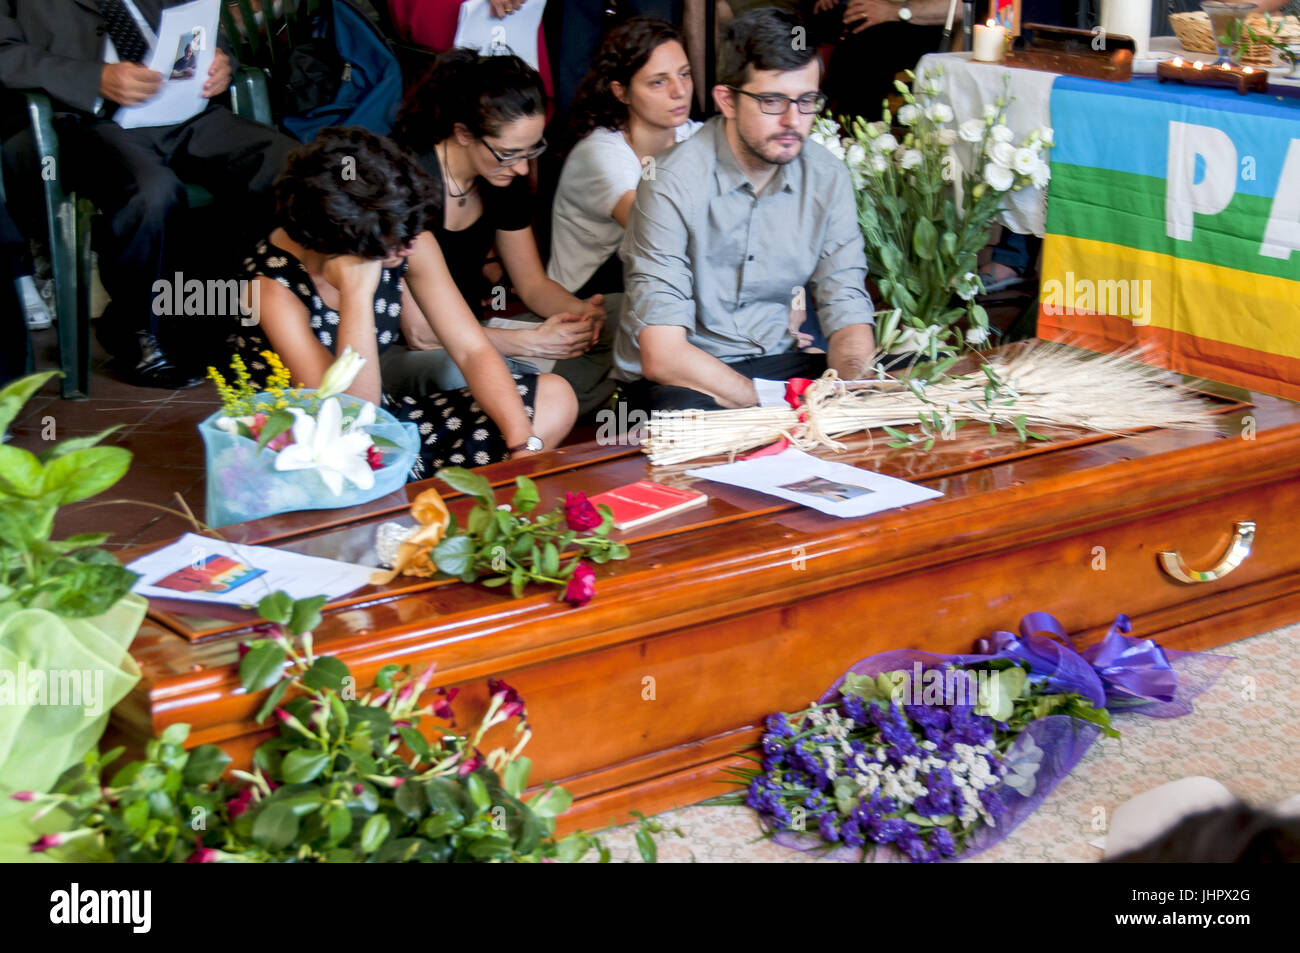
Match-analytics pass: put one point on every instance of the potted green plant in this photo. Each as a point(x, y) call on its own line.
point(67, 617)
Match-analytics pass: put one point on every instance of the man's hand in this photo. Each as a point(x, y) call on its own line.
point(561, 336)
point(219, 74)
point(596, 312)
point(128, 84)
point(861, 14)
point(503, 8)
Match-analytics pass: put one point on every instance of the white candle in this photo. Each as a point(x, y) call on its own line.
point(990, 42)
point(1129, 18)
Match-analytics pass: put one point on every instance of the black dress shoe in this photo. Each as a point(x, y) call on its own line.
point(162, 373)
point(155, 369)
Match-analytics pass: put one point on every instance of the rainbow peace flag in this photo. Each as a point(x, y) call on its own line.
point(1173, 222)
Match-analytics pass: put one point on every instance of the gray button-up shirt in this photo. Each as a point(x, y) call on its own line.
point(704, 252)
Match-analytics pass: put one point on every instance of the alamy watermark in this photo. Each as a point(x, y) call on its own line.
point(211, 297)
point(24, 687)
point(1118, 298)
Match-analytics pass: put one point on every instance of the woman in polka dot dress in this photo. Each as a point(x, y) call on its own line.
point(352, 252)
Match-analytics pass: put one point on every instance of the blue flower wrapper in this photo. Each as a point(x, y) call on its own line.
point(243, 483)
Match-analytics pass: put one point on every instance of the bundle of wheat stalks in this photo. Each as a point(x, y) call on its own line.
point(1045, 384)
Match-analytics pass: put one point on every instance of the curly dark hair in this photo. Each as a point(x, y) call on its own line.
point(483, 93)
point(351, 192)
point(625, 50)
point(762, 39)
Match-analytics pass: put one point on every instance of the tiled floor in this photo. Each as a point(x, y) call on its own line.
point(159, 427)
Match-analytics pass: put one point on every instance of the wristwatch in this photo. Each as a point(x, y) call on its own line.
point(905, 13)
point(533, 444)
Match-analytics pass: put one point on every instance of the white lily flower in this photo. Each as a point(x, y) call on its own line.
point(340, 375)
point(321, 444)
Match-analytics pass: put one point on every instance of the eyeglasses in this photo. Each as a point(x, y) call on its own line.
point(508, 161)
point(774, 104)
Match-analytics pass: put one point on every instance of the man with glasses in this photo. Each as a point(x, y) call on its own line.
point(729, 229)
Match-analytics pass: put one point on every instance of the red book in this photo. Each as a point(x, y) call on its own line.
point(644, 501)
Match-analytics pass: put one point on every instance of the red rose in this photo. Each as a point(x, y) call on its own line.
point(375, 457)
point(581, 587)
point(579, 513)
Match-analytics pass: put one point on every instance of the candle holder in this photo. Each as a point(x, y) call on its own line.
point(1243, 79)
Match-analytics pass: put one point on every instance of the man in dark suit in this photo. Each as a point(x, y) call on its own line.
point(135, 176)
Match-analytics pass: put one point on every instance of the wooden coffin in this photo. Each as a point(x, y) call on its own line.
point(749, 605)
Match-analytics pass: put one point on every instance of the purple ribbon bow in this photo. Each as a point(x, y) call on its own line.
point(1116, 672)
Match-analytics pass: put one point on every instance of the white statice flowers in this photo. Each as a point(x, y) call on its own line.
point(333, 447)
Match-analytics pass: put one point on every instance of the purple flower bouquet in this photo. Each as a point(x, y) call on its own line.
point(925, 757)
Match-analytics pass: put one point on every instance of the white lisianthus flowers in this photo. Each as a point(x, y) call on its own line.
point(879, 163)
point(1002, 133)
point(908, 114)
point(1003, 153)
point(1025, 161)
point(886, 143)
point(972, 130)
point(941, 112)
point(977, 335)
point(947, 137)
point(999, 177)
point(1046, 135)
point(911, 158)
point(1041, 175)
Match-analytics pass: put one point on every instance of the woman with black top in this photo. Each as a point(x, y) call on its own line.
point(475, 122)
point(350, 264)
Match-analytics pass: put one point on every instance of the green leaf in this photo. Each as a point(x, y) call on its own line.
point(175, 734)
point(552, 802)
point(338, 824)
point(416, 742)
point(262, 666)
point(303, 764)
point(384, 677)
point(17, 393)
point(305, 615)
point(925, 239)
point(645, 843)
point(277, 423)
point(276, 826)
point(272, 700)
point(409, 799)
point(83, 473)
point(550, 559)
point(515, 779)
point(136, 814)
point(21, 474)
point(479, 518)
point(469, 483)
point(478, 792)
point(326, 672)
point(277, 607)
point(454, 556)
point(87, 589)
point(525, 498)
point(374, 833)
point(205, 765)
point(64, 447)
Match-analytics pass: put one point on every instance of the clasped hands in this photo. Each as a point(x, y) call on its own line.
point(569, 334)
point(130, 84)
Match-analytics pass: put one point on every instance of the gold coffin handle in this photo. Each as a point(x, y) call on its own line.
point(1243, 538)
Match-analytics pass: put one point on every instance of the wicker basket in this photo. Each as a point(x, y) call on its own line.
point(1193, 30)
